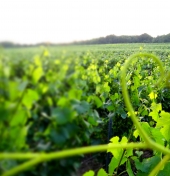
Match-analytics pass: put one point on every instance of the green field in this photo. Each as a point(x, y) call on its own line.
point(54, 99)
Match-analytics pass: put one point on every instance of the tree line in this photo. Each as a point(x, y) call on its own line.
point(7, 44)
point(143, 38)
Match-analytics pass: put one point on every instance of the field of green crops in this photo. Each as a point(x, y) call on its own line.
point(56, 100)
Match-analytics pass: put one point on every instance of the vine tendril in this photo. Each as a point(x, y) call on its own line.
point(125, 92)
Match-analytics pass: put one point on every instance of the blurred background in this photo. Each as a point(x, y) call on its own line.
point(50, 21)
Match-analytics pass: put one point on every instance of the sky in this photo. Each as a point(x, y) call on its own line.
point(60, 21)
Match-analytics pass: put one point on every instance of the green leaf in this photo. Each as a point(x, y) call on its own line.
point(153, 133)
point(114, 97)
point(98, 102)
point(144, 112)
point(16, 137)
point(46, 53)
point(94, 118)
point(117, 153)
point(23, 85)
point(7, 71)
point(102, 172)
point(63, 101)
point(147, 164)
point(62, 115)
point(122, 113)
point(38, 71)
point(106, 87)
point(30, 98)
point(157, 107)
point(165, 171)
point(92, 121)
point(157, 136)
point(136, 81)
point(136, 133)
point(141, 174)
point(155, 110)
point(164, 122)
point(89, 173)
point(153, 95)
point(81, 106)
point(129, 169)
point(16, 88)
point(37, 60)
point(154, 115)
point(37, 74)
point(13, 90)
point(164, 119)
point(19, 118)
point(75, 94)
point(165, 132)
point(42, 88)
point(57, 138)
point(139, 153)
point(114, 163)
point(145, 126)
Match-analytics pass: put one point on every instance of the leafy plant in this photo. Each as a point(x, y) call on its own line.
point(60, 116)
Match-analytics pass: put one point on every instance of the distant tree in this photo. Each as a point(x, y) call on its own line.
point(167, 38)
point(145, 38)
point(7, 44)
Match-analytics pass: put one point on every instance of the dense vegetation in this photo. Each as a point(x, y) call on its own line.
point(58, 98)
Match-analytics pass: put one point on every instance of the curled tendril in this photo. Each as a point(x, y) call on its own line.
point(167, 80)
point(125, 92)
point(151, 144)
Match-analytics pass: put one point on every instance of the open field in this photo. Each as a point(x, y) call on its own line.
point(64, 97)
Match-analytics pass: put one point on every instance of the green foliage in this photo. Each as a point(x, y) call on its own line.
point(155, 129)
point(101, 172)
point(55, 100)
point(147, 165)
point(117, 154)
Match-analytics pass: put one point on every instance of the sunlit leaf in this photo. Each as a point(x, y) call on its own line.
point(153, 95)
point(30, 98)
point(89, 173)
point(102, 172)
point(37, 74)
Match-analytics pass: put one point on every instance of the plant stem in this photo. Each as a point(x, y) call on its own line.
point(39, 158)
point(160, 165)
point(22, 167)
point(70, 152)
point(122, 172)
